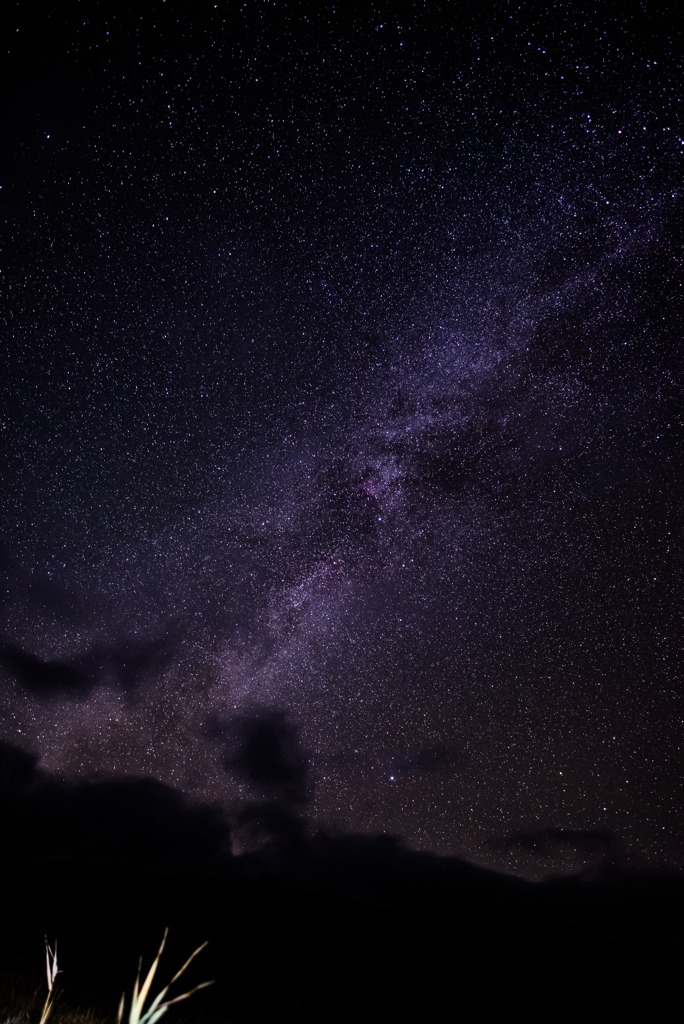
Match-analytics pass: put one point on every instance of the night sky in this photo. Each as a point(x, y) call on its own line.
point(342, 420)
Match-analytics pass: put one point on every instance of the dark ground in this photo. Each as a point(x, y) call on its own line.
point(484, 948)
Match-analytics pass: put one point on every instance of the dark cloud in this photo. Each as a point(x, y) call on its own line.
point(131, 820)
point(46, 678)
point(127, 664)
point(263, 749)
point(144, 823)
point(17, 772)
point(132, 662)
point(273, 825)
point(549, 841)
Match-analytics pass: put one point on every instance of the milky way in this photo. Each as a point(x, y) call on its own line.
point(357, 399)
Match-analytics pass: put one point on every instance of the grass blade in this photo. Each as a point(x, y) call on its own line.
point(144, 991)
point(138, 1014)
point(188, 962)
point(52, 972)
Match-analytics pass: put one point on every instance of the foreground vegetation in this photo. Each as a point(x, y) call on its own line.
point(22, 1005)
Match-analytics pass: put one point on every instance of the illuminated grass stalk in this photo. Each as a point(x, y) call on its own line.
point(158, 1007)
point(52, 972)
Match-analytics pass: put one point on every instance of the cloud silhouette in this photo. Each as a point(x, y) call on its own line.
point(133, 662)
point(46, 678)
point(128, 664)
point(130, 821)
point(549, 841)
point(269, 821)
point(263, 749)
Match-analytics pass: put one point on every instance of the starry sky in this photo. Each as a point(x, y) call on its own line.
point(341, 416)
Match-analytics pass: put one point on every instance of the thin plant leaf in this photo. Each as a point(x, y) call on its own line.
point(47, 1009)
point(188, 962)
point(152, 1017)
point(51, 968)
point(186, 995)
point(138, 1014)
point(52, 971)
point(157, 1000)
point(176, 976)
point(139, 1002)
